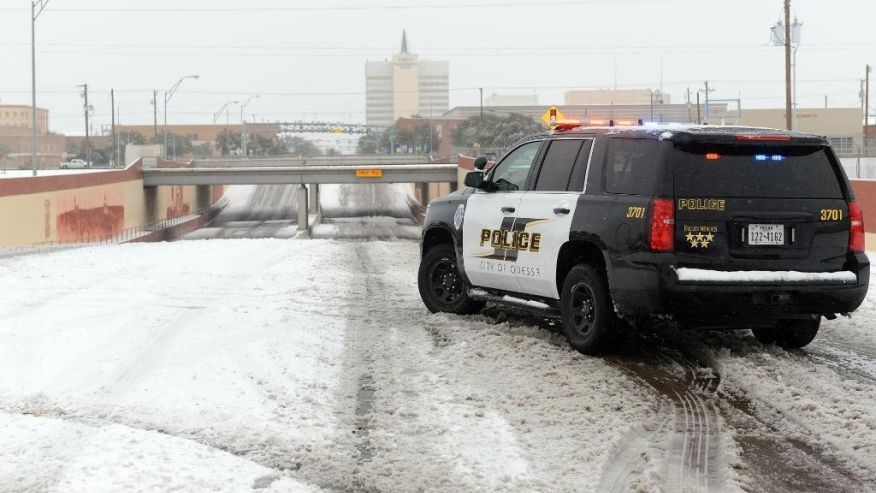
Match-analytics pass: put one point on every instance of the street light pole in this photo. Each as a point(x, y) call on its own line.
point(36, 8)
point(167, 95)
point(243, 133)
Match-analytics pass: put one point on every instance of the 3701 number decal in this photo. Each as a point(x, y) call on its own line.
point(831, 214)
point(636, 212)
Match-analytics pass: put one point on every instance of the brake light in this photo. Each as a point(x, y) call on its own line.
point(662, 225)
point(712, 156)
point(856, 228)
point(763, 137)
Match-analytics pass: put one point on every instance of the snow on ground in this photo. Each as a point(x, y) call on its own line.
point(284, 364)
point(859, 330)
point(357, 200)
point(46, 454)
point(823, 395)
point(372, 228)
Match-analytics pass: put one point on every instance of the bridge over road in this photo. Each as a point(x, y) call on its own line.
point(309, 175)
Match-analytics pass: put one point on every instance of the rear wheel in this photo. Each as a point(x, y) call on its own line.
point(585, 306)
point(789, 334)
point(441, 286)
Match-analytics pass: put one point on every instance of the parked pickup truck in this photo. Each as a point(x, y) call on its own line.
point(74, 164)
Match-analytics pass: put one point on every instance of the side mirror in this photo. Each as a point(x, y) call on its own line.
point(474, 179)
point(480, 163)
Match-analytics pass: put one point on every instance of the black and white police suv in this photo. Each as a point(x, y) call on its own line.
point(711, 226)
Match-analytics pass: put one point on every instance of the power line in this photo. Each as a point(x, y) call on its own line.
point(337, 8)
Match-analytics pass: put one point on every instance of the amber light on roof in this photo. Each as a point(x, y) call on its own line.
point(764, 138)
point(712, 156)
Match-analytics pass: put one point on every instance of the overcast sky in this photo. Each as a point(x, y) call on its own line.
point(307, 59)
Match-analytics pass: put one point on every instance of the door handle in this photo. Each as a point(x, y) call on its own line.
point(560, 211)
point(508, 210)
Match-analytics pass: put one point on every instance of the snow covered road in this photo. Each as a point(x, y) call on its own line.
point(276, 365)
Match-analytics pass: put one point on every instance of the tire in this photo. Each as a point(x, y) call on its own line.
point(586, 309)
point(441, 286)
point(789, 334)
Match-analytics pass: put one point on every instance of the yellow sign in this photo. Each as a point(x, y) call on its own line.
point(552, 116)
point(369, 173)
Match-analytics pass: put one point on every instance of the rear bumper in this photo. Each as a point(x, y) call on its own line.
point(656, 289)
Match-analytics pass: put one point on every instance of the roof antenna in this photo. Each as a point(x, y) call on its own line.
point(404, 41)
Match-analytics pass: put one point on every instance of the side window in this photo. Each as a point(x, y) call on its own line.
point(510, 174)
point(579, 172)
point(556, 169)
point(631, 166)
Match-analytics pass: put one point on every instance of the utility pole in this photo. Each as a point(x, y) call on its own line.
point(118, 143)
point(866, 107)
point(867, 97)
point(699, 119)
point(706, 107)
point(155, 113)
point(87, 136)
point(688, 105)
point(36, 8)
point(789, 122)
point(244, 137)
point(115, 147)
point(481, 89)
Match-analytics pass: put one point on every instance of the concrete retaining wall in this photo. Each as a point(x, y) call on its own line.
point(82, 207)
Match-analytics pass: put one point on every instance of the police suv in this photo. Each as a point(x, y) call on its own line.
point(710, 226)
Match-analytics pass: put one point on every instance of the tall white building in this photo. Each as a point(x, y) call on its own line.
point(404, 87)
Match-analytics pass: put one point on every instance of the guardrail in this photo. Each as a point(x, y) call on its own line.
point(138, 231)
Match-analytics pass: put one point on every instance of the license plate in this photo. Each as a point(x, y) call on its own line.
point(766, 234)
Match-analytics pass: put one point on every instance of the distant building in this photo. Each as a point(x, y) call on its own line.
point(841, 126)
point(679, 113)
point(16, 115)
point(15, 145)
point(405, 87)
point(616, 96)
point(511, 100)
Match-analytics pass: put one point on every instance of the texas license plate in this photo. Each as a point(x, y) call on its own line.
point(766, 234)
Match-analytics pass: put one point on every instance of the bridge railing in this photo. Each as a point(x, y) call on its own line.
point(312, 161)
point(138, 231)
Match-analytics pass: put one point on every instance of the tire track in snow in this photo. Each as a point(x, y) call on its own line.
point(856, 362)
point(685, 430)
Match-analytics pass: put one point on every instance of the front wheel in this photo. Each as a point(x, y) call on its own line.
point(789, 334)
point(441, 286)
point(586, 309)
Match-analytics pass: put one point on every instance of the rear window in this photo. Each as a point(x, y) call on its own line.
point(631, 166)
point(755, 171)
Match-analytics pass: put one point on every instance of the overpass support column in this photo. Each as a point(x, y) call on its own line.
point(302, 208)
point(314, 198)
point(424, 193)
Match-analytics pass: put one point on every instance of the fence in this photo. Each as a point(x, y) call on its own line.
point(138, 231)
point(859, 167)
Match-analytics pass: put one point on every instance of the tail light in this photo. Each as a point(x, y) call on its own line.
point(856, 228)
point(662, 225)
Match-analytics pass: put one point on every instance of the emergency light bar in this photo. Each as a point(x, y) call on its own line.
point(567, 125)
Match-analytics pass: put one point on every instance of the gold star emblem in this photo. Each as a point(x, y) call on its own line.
point(699, 239)
point(690, 237)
